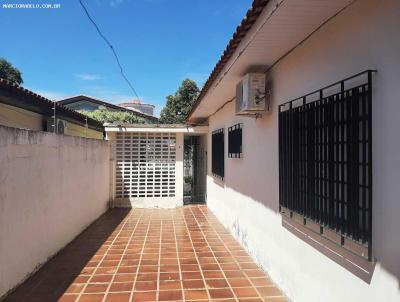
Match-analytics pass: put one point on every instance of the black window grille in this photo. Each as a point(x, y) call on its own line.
point(235, 141)
point(217, 164)
point(325, 158)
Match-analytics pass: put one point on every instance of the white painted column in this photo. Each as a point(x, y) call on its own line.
point(179, 169)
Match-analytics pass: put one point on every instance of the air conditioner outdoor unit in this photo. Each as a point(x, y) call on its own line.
point(251, 95)
point(61, 125)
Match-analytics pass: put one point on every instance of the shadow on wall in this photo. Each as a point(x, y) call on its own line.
point(358, 266)
point(355, 264)
point(53, 279)
point(254, 174)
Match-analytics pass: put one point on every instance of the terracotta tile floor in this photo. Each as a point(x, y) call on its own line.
point(183, 254)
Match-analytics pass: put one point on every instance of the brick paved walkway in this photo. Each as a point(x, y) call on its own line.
point(183, 254)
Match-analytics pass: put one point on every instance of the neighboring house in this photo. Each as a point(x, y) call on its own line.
point(310, 187)
point(21, 108)
point(83, 102)
point(138, 105)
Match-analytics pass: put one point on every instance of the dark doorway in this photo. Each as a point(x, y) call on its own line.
point(194, 171)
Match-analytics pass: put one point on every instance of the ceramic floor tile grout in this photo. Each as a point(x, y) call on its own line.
point(122, 256)
point(159, 262)
point(124, 222)
point(205, 238)
point(229, 251)
point(157, 255)
point(196, 256)
point(140, 258)
point(179, 263)
point(248, 278)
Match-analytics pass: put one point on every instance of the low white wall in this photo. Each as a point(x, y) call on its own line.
point(166, 202)
point(364, 36)
point(151, 202)
point(51, 188)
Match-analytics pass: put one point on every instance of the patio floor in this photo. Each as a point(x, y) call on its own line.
point(183, 254)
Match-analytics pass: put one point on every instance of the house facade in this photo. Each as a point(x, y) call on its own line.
point(311, 191)
point(83, 102)
point(21, 108)
point(297, 129)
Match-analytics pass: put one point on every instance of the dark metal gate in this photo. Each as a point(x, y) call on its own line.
point(194, 171)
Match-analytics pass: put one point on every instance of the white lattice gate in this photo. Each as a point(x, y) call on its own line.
point(145, 167)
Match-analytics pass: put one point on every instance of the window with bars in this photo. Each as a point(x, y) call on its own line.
point(218, 149)
point(235, 141)
point(145, 165)
point(325, 159)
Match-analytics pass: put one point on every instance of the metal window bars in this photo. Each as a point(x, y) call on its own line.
point(235, 141)
point(325, 158)
point(218, 150)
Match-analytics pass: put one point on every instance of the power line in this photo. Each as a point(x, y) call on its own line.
point(109, 45)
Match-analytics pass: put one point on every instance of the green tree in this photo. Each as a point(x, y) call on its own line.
point(114, 117)
point(9, 72)
point(179, 104)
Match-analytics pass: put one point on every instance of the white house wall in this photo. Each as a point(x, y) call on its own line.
point(364, 36)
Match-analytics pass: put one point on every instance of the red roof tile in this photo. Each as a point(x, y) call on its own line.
point(34, 100)
point(248, 21)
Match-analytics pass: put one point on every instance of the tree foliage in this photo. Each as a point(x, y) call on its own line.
point(179, 104)
point(9, 72)
point(104, 115)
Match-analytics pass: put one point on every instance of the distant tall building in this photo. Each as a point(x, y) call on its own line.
point(138, 105)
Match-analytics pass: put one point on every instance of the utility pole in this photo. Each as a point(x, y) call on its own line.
point(54, 118)
point(86, 126)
